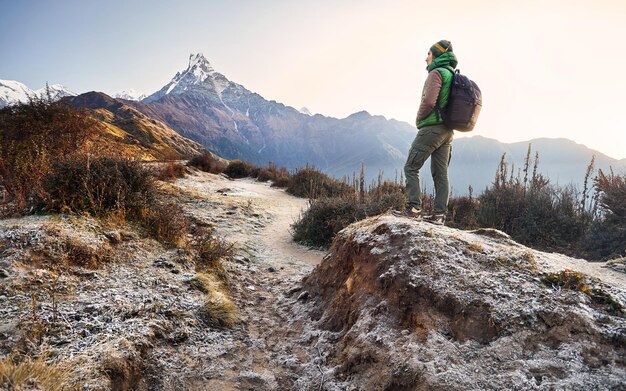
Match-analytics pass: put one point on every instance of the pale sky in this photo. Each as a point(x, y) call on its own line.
point(548, 68)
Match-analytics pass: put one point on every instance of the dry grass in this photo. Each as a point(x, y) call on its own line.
point(210, 251)
point(567, 279)
point(70, 251)
point(34, 375)
point(205, 283)
point(167, 223)
point(572, 280)
point(530, 259)
point(219, 311)
point(475, 247)
point(124, 367)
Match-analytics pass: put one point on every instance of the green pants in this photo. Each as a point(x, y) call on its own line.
point(434, 141)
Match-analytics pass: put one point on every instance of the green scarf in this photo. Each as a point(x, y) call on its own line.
point(446, 60)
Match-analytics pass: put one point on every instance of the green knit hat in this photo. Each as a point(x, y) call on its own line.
point(441, 47)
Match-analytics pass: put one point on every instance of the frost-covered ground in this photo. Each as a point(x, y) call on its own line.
point(395, 305)
point(137, 311)
point(417, 306)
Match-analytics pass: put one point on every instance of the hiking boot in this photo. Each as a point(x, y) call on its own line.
point(437, 219)
point(411, 213)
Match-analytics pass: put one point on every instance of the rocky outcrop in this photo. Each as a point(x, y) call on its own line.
point(421, 307)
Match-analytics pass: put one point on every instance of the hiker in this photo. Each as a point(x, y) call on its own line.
point(433, 138)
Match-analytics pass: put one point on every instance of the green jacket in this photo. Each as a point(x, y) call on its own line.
point(445, 65)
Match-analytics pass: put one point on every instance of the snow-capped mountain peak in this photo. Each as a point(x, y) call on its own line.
point(199, 67)
point(199, 73)
point(56, 91)
point(129, 94)
point(13, 91)
point(198, 63)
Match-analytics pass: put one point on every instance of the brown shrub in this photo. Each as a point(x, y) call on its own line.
point(208, 163)
point(311, 183)
point(98, 186)
point(328, 215)
point(209, 253)
point(264, 174)
point(607, 236)
point(166, 223)
point(238, 169)
point(172, 170)
point(462, 212)
point(32, 135)
point(281, 182)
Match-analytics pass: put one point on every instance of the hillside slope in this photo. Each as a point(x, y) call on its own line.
point(126, 130)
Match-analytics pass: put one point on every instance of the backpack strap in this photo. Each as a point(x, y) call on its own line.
point(438, 108)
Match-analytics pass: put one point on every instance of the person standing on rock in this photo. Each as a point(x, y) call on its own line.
point(433, 139)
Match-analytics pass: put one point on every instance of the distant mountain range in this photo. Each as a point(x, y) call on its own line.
point(475, 160)
point(14, 91)
point(224, 117)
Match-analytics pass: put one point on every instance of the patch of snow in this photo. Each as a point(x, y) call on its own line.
point(171, 87)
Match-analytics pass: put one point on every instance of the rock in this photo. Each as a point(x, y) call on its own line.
point(491, 315)
point(162, 263)
point(4, 273)
point(90, 274)
point(271, 269)
point(91, 308)
point(293, 290)
point(115, 237)
point(240, 259)
point(128, 235)
point(8, 329)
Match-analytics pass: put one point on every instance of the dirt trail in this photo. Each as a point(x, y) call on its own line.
point(257, 218)
point(276, 236)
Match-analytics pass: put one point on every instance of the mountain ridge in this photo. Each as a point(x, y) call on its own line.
point(12, 91)
point(236, 123)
